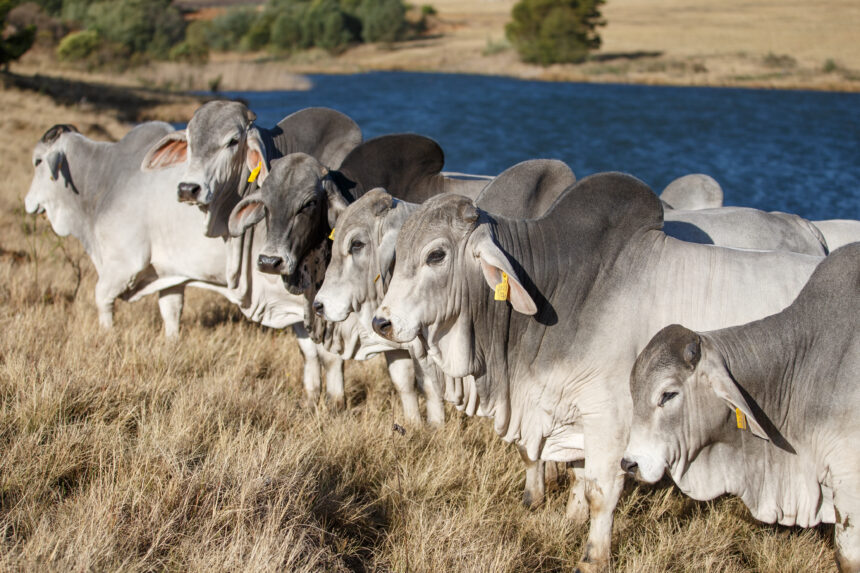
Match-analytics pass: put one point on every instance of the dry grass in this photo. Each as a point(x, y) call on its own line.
point(124, 451)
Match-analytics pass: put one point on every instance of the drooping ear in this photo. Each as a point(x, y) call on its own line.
point(336, 202)
point(247, 213)
point(493, 264)
point(389, 227)
point(172, 149)
point(55, 160)
point(726, 388)
point(256, 156)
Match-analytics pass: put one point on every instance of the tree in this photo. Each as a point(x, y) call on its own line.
point(555, 31)
point(14, 44)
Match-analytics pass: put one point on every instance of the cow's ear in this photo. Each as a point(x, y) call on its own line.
point(336, 202)
point(247, 213)
point(726, 388)
point(498, 270)
point(255, 157)
point(54, 160)
point(172, 149)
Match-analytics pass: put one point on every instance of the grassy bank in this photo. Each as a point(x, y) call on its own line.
point(124, 451)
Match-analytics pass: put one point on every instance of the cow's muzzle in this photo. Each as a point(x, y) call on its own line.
point(270, 264)
point(188, 192)
point(319, 308)
point(630, 467)
point(382, 326)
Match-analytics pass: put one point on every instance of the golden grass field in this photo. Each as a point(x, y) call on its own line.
point(124, 451)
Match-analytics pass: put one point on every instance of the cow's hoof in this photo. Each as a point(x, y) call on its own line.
point(531, 501)
point(592, 567)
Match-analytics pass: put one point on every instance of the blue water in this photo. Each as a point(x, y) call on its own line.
point(775, 150)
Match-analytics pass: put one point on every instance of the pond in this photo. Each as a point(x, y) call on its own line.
point(791, 151)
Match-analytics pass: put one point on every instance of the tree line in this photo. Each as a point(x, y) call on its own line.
point(101, 32)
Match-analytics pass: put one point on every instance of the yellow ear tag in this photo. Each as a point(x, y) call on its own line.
point(741, 419)
point(255, 172)
point(502, 289)
point(377, 278)
point(331, 235)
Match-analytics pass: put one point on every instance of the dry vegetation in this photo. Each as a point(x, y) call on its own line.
point(125, 451)
point(771, 44)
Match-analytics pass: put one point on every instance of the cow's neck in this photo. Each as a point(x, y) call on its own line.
point(560, 274)
point(88, 162)
point(776, 485)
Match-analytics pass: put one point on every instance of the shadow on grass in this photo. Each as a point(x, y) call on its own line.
point(130, 104)
point(638, 55)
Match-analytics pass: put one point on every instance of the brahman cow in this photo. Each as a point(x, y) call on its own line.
point(301, 199)
point(362, 258)
point(549, 315)
point(766, 411)
point(139, 239)
point(225, 155)
point(692, 192)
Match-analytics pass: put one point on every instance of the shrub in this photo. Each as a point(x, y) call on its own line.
point(327, 26)
point(140, 26)
point(15, 43)
point(286, 32)
point(229, 28)
point(188, 52)
point(382, 20)
point(258, 35)
point(76, 10)
point(555, 31)
point(79, 45)
point(428, 10)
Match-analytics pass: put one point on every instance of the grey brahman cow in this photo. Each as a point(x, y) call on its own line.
point(692, 192)
point(744, 227)
point(549, 315)
point(301, 199)
point(139, 239)
point(362, 258)
point(224, 155)
point(766, 411)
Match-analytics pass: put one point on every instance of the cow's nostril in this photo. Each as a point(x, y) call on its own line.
point(629, 466)
point(382, 326)
point(269, 264)
point(188, 191)
point(318, 308)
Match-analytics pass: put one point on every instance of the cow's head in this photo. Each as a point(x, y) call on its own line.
point(362, 256)
point(300, 202)
point(684, 398)
point(52, 190)
point(220, 148)
point(446, 253)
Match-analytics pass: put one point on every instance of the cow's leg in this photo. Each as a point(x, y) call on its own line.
point(846, 533)
point(311, 379)
point(106, 294)
point(402, 372)
point(603, 481)
point(535, 485)
point(333, 379)
point(170, 304)
point(429, 376)
point(577, 505)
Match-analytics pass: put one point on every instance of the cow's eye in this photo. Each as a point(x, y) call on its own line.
point(37, 162)
point(233, 142)
point(666, 397)
point(355, 246)
point(436, 257)
point(309, 205)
